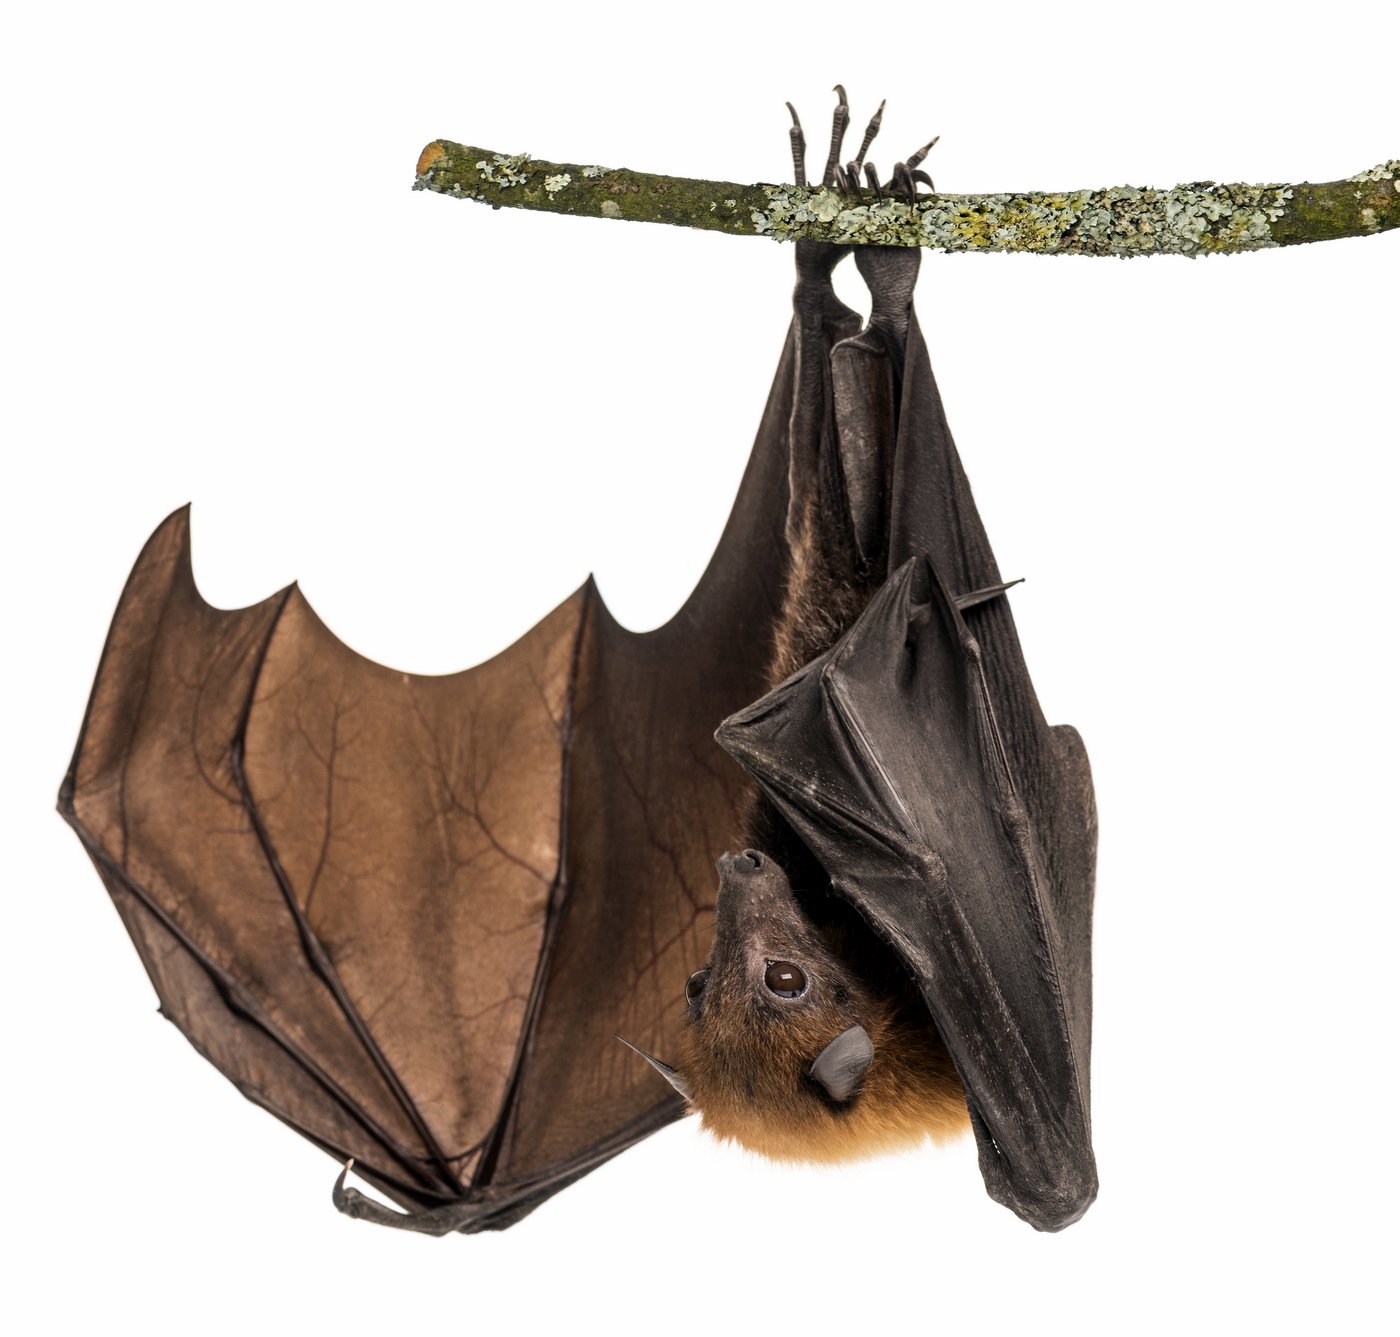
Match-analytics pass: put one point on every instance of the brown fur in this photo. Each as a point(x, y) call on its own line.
point(825, 594)
point(747, 1075)
point(747, 1054)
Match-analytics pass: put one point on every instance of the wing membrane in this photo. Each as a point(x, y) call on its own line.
point(409, 914)
point(885, 754)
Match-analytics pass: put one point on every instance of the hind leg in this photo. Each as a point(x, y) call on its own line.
point(866, 375)
point(866, 369)
point(820, 321)
point(814, 295)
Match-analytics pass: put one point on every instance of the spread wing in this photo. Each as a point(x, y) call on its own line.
point(408, 914)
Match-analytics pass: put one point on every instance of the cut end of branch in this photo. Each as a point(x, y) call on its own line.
point(431, 153)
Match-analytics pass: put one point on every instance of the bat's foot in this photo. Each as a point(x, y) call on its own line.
point(840, 119)
point(848, 177)
point(834, 174)
point(890, 281)
point(817, 259)
point(907, 177)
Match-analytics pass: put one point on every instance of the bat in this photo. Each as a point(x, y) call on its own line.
point(408, 915)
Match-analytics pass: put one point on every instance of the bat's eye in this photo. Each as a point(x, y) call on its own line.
point(785, 979)
point(695, 985)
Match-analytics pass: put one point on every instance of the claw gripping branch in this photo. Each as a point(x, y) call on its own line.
point(1198, 218)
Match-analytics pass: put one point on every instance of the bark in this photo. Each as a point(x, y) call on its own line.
point(1198, 218)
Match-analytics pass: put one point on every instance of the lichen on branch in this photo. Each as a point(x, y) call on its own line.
point(1198, 218)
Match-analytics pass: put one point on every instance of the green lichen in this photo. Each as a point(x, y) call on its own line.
point(1384, 171)
point(504, 169)
point(1124, 220)
point(793, 213)
point(1193, 219)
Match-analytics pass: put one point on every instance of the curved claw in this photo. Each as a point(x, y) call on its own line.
point(914, 159)
point(840, 119)
point(434, 1221)
point(871, 131)
point(799, 147)
point(354, 1203)
point(903, 180)
point(847, 179)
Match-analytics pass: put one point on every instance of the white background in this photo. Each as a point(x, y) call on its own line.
point(219, 288)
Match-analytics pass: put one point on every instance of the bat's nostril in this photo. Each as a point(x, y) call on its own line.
point(754, 858)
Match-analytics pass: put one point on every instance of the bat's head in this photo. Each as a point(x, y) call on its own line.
point(794, 1053)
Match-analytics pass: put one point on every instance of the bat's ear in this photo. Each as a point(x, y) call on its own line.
point(665, 1069)
point(841, 1065)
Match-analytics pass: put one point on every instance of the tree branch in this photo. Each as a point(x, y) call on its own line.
point(1198, 218)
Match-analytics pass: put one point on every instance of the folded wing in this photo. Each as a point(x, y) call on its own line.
point(887, 757)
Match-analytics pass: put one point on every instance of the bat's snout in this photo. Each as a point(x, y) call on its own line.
point(753, 893)
point(740, 865)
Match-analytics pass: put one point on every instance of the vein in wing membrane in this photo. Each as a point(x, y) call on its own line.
point(211, 734)
point(416, 822)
